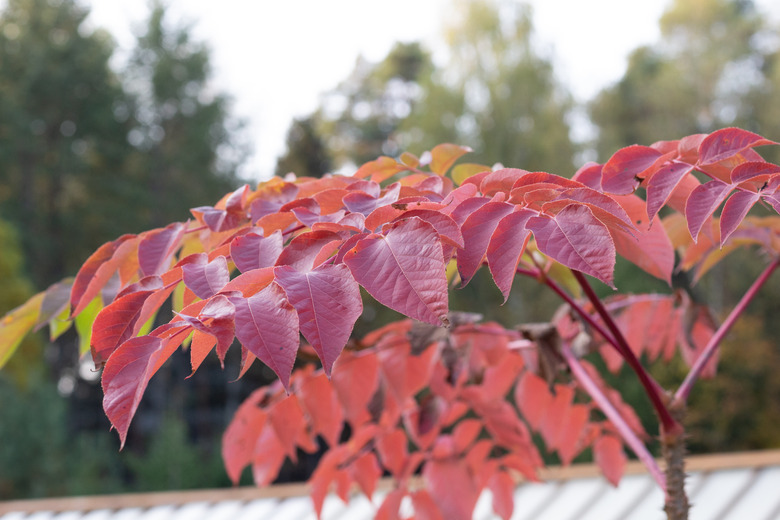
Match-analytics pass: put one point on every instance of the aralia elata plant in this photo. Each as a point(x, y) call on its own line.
point(441, 394)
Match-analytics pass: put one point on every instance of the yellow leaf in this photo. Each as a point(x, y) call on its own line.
point(463, 171)
point(443, 156)
point(410, 160)
point(16, 324)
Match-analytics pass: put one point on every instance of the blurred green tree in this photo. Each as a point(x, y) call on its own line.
point(306, 153)
point(189, 147)
point(712, 54)
point(497, 93)
point(63, 126)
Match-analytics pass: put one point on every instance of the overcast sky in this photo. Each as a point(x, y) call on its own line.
point(276, 57)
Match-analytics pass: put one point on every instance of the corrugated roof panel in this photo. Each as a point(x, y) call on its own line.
point(761, 500)
point(531, 498)
point(572, 499)
point(227, 510)
point(615, 502)
point(259, 509)
point(718, 491)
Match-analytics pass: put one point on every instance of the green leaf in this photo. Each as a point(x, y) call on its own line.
point(16, 324)
point(60, 323)
point(84, 322)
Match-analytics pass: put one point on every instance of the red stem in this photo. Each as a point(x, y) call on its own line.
point(625, 431)
point(670, 426)
point(685, 389)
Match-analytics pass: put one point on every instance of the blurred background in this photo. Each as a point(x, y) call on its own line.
point(119, 116)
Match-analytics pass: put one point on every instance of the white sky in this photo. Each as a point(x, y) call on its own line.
point(275, 57)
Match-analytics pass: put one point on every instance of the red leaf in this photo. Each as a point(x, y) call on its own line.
point(452, 487)
point(364, 203)
point(734, 212)
point(305, 251)
point(206, 279)
point(424, 506)
point(156, 248)
point(507, 244)
point(443, 224)
point(287, 419)
point(98, 269)
point(443, 156)
point(128, 371)
point(366, 472)
point(577, 239)
point(502, 486)
point(609, 455)
point(622, 171)
point(533, 398)
point(217, 320)
point(390, 505)
point(728, 142)
point(500, 180)
point(267, 325)
point(240, 437)
point(404, 270)
point(650, 248)
point(703, 202)
point(477, 230)
point(355, 379)
point(115, 323)
point(268, 457)
point(571, 432)
point(328, 303)
point(663, 183)
point(254, 251)
point(392, 449)
point(319, 400)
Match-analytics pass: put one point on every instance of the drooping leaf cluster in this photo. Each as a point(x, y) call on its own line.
point(289, 258)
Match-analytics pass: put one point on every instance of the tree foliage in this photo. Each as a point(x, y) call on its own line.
point(443, 393)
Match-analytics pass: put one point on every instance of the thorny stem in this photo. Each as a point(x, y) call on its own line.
point(651, 387)
point(628, 435)
point(712, 345)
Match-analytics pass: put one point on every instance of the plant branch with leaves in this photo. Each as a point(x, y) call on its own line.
point(441, 394)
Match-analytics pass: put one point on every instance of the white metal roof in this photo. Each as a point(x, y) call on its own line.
point(724, 487)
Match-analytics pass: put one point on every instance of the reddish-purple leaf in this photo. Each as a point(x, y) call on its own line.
point(443, 224)
point(507, 244)
point(271, 198)
point(364, 203)
point(590, 175)
point(254, 251)
point(703, 202)
point(216, 319)
point(662, 184)
point(622, 171)
point(500, 180)
point(750, 170)
point(728, 142)
point(319, 399)
point(156, 248)
point(328, 303)
point(267, 325)
point(303, 250)
point(116, 323)
point(206, 279)
point(223, 219)
point(55, 298)
point(128, 371)
point(734, 212)
point(477, 230)
point(577, 239)
point(404, 270)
